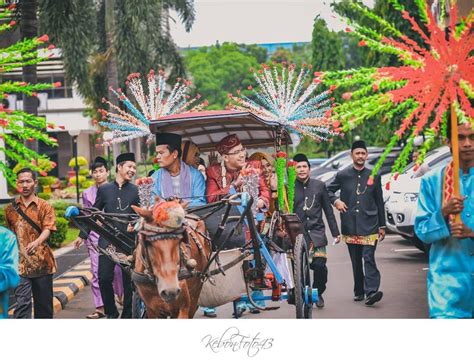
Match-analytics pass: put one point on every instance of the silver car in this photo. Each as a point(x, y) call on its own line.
point(402, 197)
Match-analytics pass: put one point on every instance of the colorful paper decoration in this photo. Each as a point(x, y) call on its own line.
point(434, 74)
point(289, 97)
point(130, 120)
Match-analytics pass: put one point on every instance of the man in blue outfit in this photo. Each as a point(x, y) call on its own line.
point(175, 178)
point(8, 268)
point(451, 271)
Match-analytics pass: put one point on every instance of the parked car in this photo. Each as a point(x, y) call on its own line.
point(327, 171)
point(316, 162)
point(402, 197)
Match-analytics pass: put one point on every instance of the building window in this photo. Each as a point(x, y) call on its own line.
point(65, 91)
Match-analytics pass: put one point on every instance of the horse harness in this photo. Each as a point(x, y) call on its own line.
point(152, 233)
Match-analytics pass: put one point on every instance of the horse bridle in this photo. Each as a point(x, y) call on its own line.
point(149, 234)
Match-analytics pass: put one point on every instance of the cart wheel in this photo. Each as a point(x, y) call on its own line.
point(303, 289)
point(138, 306)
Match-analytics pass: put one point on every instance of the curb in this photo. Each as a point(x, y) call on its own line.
point(68, 285)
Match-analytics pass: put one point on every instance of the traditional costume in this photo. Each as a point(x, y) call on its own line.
point(220, 177)
point(118, 199)
point(451, 272)
point(189, 184)
point(311, 198)
point(89, 197)
point(360, 223)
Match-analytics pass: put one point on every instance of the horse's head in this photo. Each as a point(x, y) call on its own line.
point(160, 236)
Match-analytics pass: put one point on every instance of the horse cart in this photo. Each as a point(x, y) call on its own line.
point(272, 258)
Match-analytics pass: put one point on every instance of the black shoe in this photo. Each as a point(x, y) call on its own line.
point(320, 303)
point(291, 296)
point(359, 297)
point(373, 298)
point(113, 316)
point(240, 312)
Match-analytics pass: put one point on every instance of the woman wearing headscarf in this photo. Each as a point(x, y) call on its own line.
point(191, 153)
point(267, 163)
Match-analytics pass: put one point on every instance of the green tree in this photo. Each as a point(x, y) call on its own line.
point(260, 53)
point(282, 55)
point(327, 48)
point(219, 70)
point(103, 41)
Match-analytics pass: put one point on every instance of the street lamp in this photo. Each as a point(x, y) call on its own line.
point(75, 134)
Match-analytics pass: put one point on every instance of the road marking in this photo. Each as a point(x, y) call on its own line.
point(426, 268)
point(407, 250)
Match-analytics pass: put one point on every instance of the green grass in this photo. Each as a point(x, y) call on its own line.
point(71, 235)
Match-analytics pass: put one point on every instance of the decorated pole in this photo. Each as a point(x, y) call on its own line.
point(455, 151)
point(435, 76)
point(462, 10)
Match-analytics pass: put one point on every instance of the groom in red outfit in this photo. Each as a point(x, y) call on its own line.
point(221, 177)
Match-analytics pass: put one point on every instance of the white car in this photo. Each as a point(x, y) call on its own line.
point(402, 197)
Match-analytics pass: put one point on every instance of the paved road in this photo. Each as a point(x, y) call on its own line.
point(65, 259)
point(403, 269)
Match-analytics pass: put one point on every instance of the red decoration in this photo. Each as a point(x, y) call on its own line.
point(44, 38)
point(435, 83)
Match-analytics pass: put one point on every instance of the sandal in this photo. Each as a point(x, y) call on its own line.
point(96, 315)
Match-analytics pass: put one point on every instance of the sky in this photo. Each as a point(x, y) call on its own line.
point(254, 21)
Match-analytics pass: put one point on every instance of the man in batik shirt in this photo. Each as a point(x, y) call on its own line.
point(37, 263)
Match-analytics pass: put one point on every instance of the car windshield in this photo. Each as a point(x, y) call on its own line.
point(429, 158)
point(336, 157)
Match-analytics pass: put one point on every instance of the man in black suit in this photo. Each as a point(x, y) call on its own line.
point(311, 198)
point(116, 197)
point(362, 221)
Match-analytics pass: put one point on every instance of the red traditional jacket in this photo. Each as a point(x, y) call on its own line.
point(216, 190)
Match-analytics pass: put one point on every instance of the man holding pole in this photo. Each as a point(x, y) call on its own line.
point(451, 271)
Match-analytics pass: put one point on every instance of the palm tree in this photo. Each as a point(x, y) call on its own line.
point(97, 36)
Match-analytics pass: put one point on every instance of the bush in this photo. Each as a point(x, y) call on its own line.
point(47, 180)
point(84, 172)
point(58, 237)
point(45, 196)
point(3, 222)
point(87, 184)
point(60, 207)
point(61, 204)
point(81, 161)
point(81, 179)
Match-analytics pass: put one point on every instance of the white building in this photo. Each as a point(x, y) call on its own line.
point(62, 106)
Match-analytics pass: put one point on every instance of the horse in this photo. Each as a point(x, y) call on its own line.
point(171, 251)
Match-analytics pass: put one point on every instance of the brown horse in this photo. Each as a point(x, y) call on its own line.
point(170, 249)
